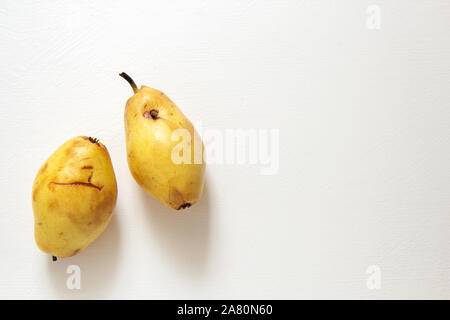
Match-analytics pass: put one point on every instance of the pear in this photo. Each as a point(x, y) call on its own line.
point(171, 171)
point(74, 194)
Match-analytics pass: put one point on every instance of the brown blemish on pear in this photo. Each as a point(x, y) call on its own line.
point(43, 168)
point(53, 205)
point(35, 193)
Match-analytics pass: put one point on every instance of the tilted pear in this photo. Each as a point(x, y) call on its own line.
point(74, 194)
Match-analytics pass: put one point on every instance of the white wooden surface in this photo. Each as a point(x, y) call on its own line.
point(364, 122)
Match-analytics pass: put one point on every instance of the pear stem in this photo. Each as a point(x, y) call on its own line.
point(129, 80)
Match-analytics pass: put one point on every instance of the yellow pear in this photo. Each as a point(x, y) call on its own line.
point(74, 194)
point(170, 170)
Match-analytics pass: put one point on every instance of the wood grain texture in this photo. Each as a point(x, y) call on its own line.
point(364, 122)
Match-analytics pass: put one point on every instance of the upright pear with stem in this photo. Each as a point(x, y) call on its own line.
point(164, 151)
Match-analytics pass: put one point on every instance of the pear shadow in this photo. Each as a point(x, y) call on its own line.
point(97, 264)
point(183, 236)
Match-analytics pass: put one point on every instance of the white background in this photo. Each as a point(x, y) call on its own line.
point(364, 120)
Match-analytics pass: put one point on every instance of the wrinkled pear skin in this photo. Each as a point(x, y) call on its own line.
point(149, 148)
point(74, 194)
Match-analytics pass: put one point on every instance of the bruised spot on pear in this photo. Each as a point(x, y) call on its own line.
point(53, 205)
point(35, 192)
point(175, 196)
point(43, 168)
